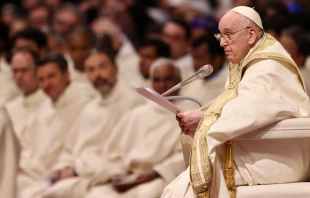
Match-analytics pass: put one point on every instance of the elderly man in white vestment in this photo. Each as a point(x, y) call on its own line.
point(77, 167)
point(9, 156)
point(144, 153)
point(45, 133)
point(27, 104)
point(206, 50)
point(264, 87)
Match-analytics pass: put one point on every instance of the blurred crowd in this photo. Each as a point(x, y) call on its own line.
point(68, 70)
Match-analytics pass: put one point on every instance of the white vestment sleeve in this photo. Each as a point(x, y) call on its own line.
point(172, 166)
point(9, 155)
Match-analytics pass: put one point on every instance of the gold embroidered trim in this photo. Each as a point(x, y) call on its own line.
point(200, 164)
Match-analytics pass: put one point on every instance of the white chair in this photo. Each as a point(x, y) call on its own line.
point(294, 128)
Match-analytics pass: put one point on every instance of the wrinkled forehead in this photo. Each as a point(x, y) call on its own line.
point(230, 22)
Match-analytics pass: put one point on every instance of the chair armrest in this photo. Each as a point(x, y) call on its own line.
point(286, 129)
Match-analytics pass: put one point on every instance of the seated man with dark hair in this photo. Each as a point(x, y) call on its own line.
point(77, 167)
point(149, 51)
point(46, 132)
point(32, 39)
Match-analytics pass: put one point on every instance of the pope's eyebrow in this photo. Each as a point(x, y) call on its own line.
point(227, 30)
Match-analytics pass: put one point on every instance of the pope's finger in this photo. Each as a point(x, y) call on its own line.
point(179, 115)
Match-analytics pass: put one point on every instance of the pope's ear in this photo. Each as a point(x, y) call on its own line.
point(252, 36)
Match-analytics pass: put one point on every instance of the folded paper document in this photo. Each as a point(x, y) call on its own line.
point(157, 98)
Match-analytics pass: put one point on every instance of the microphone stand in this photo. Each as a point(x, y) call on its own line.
point(202, 72)
point(184, 98)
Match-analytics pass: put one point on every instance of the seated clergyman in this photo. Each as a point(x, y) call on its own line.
point(144, 153)
point(264, 87)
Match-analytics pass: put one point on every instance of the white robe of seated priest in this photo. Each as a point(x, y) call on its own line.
point(9, 155)
point(186, 65)
point(22, 108)
point(83, 148)
point(8, 88)
point(209, 88)
point(269, 91)
point(147, 139)
point(44, 137)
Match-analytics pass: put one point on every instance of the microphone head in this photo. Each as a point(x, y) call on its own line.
point(205, 71)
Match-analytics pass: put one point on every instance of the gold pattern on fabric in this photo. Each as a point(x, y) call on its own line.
point(201, 167)
point(200, 164)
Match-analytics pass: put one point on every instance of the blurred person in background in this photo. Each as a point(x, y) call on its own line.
point(47, 131)
point(66, 18)
point(149, 51)
point(206, 50)
point(118, 12)
point(76, 170)
point(273, 8)
point(39, 17)
point(9, 156)
point(188, 10)
point(20, 109)
point(4, 49)
point(202, 25)
point(275, 24)
point(8, 89)
point(79, 41)
point(141, 158)
point(28, 5)
point(18, 25)
point(55, 42)
point(296, 42)
point(32, 39)
point(53, 4)
point(9, 12)
point(126, 57)
point(177, 34)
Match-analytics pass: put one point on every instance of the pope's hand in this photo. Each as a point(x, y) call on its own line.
point(188, 121)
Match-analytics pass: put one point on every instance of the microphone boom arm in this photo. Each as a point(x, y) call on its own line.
point(185, 98)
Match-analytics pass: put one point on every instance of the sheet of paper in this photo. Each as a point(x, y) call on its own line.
point(157, 98)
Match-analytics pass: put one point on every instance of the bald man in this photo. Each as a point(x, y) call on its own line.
point(264, 87)
point(144, 153)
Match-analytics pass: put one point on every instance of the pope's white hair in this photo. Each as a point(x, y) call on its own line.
point(164, 61)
